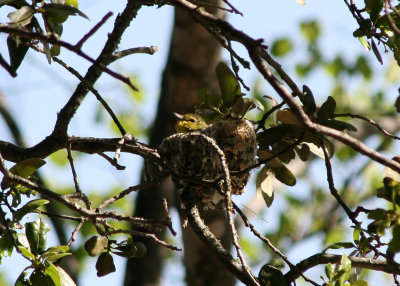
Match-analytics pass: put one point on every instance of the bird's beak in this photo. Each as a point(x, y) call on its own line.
point(177, 116)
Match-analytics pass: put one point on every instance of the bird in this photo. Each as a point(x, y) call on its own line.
point(189, 122)
point(192, 153)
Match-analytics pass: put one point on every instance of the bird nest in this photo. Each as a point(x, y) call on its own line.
point(197, 160)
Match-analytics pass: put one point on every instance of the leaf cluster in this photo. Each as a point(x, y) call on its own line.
point(52, 13)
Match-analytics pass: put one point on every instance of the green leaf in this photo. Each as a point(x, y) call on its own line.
point(60, 9)
point(338, 125)
point(310, 30)
point(95, 245)
point(285, 151)
point(288, 117)
point(105, 264)
point(308, 100)
point(264, 185)
point(356, 235)
point(339, 245)
point(65, 279)
point(344, 270)
point(303, 152)
point(281, 47)
point(376, 52)
point(52, 273)
point(13, 3)
point(360, 283)
point(39, 278)
point(270, 275)
point(228, 84)
point(29, 207)
point(25, 252)
point(53, 256)
point(22, 280)
point(23, 169)
point(21, 17)
point(327, 109)
point(394, 244)
point(273, 135)
point(330, 270)
point(36, 232)
point(17, 51)
point(365, 43)
point(373, 7)
point(210, 100)
point(284, 175)
point(6, 244)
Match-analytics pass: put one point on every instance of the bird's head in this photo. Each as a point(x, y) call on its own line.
point(189, 122)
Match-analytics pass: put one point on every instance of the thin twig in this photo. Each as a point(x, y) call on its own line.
point(74, 175)
point(94, 91)
point(247, 223)
point(235, 68)
point(144, 234)
point(121, 143)
point(233, 7)
point(112, 162)
point(76, 231)
point(332, 188)
point(50, 38)
point(356, 262)
point(138, 50)
point(168, 216)
point(370, 121)
point(79, 44)
point(126, 192)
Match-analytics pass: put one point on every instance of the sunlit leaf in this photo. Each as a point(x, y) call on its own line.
point(264, 185)
point(95, 245)
point(29, 207)
point(36, 232)
point(21, 17)
point(365, 43)
point(65, 279)
point(52, 273)
point(23, 169)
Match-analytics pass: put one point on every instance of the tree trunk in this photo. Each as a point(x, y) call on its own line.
point(193, 56)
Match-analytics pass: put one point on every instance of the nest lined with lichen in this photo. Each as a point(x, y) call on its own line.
point(195, 159)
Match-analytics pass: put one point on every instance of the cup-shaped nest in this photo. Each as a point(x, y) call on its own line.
point(194, 159)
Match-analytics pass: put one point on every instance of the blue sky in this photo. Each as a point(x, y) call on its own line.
point(41, 90)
